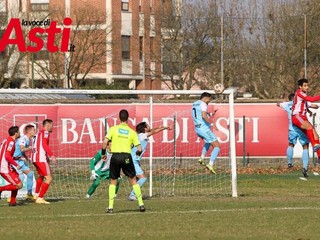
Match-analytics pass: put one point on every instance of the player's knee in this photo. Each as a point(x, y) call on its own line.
point(19, 185)
point(48, 179)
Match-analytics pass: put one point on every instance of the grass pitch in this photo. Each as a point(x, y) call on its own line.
point(279, 206)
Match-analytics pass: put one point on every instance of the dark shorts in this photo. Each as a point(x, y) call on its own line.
point(121, 161)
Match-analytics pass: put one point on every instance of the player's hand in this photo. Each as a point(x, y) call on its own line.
point(94, 175)
point(213, 113)
point(104, 157)
point(53, 159)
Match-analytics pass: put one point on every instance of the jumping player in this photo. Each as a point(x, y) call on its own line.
point(299, 115)
point(202, 125)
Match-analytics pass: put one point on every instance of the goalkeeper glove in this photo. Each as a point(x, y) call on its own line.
point(94, 175)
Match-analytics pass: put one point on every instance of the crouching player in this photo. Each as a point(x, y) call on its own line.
point(100, 170)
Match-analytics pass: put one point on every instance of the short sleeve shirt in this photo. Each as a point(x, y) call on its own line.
point(123, 138)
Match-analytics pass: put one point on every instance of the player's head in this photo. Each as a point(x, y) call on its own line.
point(291, 96)
point(142, 127)
point(205, 97)
point(47, 124)
point(123, 115)
point(303, 84)
point(30, 130)
point(13, 131)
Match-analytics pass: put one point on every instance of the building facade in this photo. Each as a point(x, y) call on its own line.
point(110, 41)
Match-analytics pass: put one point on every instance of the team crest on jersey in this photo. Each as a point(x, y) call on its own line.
point(46, 134)
point(10, 146)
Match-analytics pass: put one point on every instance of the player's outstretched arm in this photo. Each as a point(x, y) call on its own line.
point(157, 130)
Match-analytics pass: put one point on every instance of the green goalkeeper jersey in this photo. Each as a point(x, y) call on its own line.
point(100, 166)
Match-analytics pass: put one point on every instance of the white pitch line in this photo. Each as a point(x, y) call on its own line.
point(157, 213)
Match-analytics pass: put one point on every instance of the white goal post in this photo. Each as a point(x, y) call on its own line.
point(151, 93)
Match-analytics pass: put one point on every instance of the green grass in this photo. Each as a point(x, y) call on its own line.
point(268, 207)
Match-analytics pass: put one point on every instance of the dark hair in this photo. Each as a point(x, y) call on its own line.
point(123, 115)
point(44, 122)
point(28, 127)
point(205, 94)
point(291, 96)
point(141, 127)
point(13, 130)
point(302, 81)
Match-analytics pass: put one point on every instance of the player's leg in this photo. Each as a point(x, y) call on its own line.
point(26, 170)
point(292, 140)
point(141, 179)
point(45, 171)
point(14, 185)
point(93, 187)
point(115, 168)
point(205, 149)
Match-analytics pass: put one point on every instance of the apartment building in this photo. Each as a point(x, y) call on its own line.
point(110, 41)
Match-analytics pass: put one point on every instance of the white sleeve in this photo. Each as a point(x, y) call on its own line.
point(204, 107)
point(283, 105)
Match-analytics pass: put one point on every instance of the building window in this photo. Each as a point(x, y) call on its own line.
point(125, 5)
point(125, 44)
point(2, 6)
point(39, 7)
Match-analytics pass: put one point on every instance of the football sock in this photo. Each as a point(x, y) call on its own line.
point(112, 193)
point(29, 182)
point(118, 184)
point(38, 184)
point(137, 191)
point(141, 181)
point(205, 149)
point(214, 155)
point(305, 158)
point(289, 154)
point(94, 185)
point(44, 189)
point(13, 196)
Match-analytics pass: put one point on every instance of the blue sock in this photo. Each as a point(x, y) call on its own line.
point(205, 149)
point(30, 182)
point(214, 155)
point(305, 158)
point(141, 181)
point(289, 154)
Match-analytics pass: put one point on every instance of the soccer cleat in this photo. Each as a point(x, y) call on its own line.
point(201, 162)
point(290, 165)
point(41, 201)
point(29, 197)
point(305, 172)
point(142, 208)
point(210, 168)
point(9, 199)
point(316, 147)
point(132, 198)
point(13, 204)
point(88, 196)
point(109, 210)
point(35, 197)
point(0, 194)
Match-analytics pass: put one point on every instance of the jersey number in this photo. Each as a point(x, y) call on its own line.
point(194, 112)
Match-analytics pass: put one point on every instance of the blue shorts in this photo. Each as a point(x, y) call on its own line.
point(297, 133)
point(206, 134)
point(23, 166)
point(137, 167)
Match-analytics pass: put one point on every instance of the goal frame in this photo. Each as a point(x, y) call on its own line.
point(151, 93)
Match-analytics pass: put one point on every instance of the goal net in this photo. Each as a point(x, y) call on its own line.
point(170, 162)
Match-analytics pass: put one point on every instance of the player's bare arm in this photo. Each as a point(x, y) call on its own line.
point(157, 130)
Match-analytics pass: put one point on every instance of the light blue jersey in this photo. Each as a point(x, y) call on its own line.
point(202, 128)
point(22, 141)
point(143, 138)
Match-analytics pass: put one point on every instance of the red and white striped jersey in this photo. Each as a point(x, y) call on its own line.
point(300, 102)
point(40, 148)
point(7, 148)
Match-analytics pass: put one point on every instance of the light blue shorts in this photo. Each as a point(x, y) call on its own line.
point(137, 167)
point(206, 134)
point(297, 133)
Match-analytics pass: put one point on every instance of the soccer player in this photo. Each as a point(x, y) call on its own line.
point(6, 162)
point(202, 125)
point(299, 115)
point(41, 157)
point(123, 138)
point(144, 132)
point(20, 156)
point(294, 133)
point(100, 170)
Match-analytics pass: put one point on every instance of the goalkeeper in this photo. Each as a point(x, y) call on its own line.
point(100, 170)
